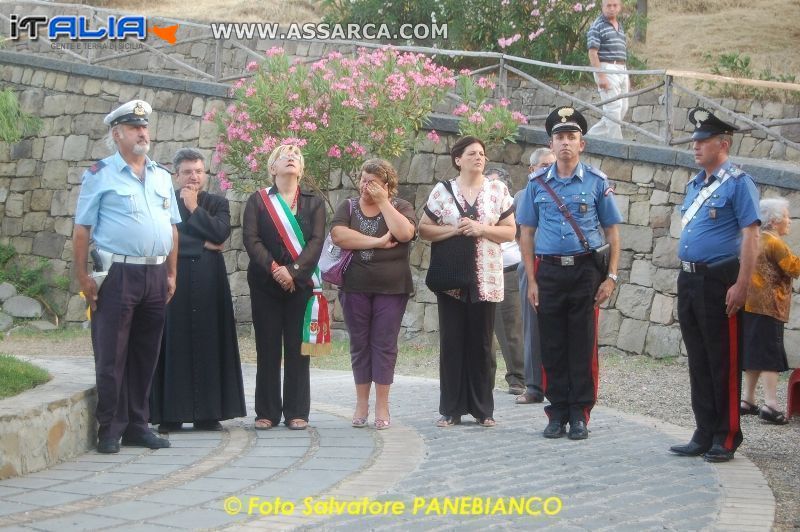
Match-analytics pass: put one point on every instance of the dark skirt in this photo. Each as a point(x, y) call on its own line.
point(763, 343)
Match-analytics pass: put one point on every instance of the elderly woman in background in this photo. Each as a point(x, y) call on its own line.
point(378, 226)
point(466, 316)
point(198, 378)
point(534, 384)
point(507, 320)
point(767, 309)
point(277, 221)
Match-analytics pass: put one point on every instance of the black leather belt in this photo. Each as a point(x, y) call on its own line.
point(694, 267)
point(512, 268)
point(566, 260)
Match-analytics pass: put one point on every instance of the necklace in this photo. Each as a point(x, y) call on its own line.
point(473, 191)
point(294, 200)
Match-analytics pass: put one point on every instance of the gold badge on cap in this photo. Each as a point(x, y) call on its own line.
point(565, 113)
point(138, 109)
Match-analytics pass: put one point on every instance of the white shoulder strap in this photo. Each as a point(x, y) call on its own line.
point(701, 198)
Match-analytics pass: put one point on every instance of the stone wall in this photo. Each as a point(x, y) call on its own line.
point(40, 180)
point(197, 48)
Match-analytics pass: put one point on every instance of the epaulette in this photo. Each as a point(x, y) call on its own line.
point(596, 172)
point(96, 167)
point(735, 171)
point(538, 172)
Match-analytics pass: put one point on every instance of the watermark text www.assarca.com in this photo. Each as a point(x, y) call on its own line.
point(324, 31)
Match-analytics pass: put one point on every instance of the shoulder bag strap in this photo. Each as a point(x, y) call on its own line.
point(565, 213)
point(449, 187)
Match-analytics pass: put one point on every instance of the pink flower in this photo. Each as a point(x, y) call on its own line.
point(292, 97)
point(535, 13)
point(578, 7)
point(294, 141)
point(250, 91)
point(309, 126)
point(275, 50)
point(222, 178)
point(335, 152)
point(519, 117)
point(209, 116)
point(504, 102)
point(460, 110)
point(476, 118)
point(252, 66)
point(486, 83)
point(433, 136)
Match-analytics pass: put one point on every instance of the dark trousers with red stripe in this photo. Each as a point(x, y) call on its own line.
point(568, 331)
point(712, 342)
point(126, 339)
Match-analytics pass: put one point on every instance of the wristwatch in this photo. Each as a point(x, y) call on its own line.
point(614, 277)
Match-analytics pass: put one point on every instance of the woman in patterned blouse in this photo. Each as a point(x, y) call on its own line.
point(767, 309)
point(466, 316)
point(377, 283)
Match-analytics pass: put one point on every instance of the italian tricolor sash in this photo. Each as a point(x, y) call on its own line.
point(317, 325)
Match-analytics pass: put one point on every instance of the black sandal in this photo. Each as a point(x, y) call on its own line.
point(770, 415)
point(448, 421)
point(749, 410)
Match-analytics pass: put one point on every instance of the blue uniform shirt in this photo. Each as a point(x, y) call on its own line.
point(590, 200)
point(127, 216)
point(715, 232)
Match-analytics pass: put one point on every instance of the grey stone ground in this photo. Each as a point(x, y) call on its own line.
point(621, 478)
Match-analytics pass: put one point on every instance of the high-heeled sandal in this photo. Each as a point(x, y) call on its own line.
point(383, 424)
point(360, 422)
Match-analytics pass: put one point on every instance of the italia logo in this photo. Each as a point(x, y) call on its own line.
point(78, 28)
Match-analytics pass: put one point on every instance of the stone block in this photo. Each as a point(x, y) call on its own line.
point(242, 260)
point(187, 128)
point(642, 174)
point(414, 316)
point(617, 169)
point(76, 309)
point(242, 309)
point(7, 290)
point(443, 168)
point(27, 167)
point(636, 238)
point(422, 168)
point(642, 272)
point(665, 253)
point(11, 226)
point(639, 213)
point(675, 223)
point(666, 281)
point(22, 307)
point(609, 324)
point(663, 342)
point(34, 221)
point(661, 216)
point(623, 204)
point(41, 199)
point(53, 148)
point(15, 205)
point(634, 301)
point(431, 320)
point(791, 340)
point(632, 335)
point(6, 322)
point(76, 147)
point(48, 244)
point(662, 309)
point(238, 282)
point(659, 197)
point(63, 226)
point(54, 175)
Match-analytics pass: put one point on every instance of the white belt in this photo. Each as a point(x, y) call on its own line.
point(129, 259)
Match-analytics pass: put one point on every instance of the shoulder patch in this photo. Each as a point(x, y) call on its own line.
point(96, 167)
point(537, 173)
point(735, 171)
point(596, 172)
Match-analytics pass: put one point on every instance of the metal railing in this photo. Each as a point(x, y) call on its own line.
point(503, 67)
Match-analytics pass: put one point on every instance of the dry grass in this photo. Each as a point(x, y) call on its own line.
point(680, 32)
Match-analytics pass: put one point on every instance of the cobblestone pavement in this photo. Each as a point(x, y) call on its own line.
point(621, 478)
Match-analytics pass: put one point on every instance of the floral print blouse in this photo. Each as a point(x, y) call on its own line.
point(771, 285)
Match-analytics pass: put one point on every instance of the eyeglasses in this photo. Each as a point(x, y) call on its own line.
point(191, 172)
point(287, 156)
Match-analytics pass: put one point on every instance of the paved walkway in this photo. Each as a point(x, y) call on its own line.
point(621, 478)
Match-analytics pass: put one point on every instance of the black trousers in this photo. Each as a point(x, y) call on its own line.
point(278, 319)
point(126, 339)
point(465, 359)
point(568, 330)
point(712, 342)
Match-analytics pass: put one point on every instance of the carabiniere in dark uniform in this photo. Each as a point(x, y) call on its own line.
point(568, 211)
point(717, 249)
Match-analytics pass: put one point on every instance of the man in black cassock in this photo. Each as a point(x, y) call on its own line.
point(199, 376)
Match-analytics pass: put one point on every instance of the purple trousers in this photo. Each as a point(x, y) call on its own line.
point(373, 321)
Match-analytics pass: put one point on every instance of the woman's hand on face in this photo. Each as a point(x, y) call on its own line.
point(386, 241)
point(470, 227)
point(377, 192)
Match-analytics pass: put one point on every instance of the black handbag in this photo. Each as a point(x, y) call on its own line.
point(452, 264)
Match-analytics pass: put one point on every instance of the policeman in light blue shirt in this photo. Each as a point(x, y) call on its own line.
point(127, 206)
point(718, 250)
point(568, 215)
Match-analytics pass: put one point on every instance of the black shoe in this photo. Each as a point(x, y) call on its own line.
point(529, 398)
point(148, 439)
point(718, 453)
point(208, 425)
point(516, 389)
point(108, 446)
point(690, 449)
point(554, 429)
point(169, 426)
point(578, 430)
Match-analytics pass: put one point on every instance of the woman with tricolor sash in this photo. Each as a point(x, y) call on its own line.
point(283, 231)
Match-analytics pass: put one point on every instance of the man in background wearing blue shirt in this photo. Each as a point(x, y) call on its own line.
point(127, 206)
point(565, 284)
point(718, 250)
